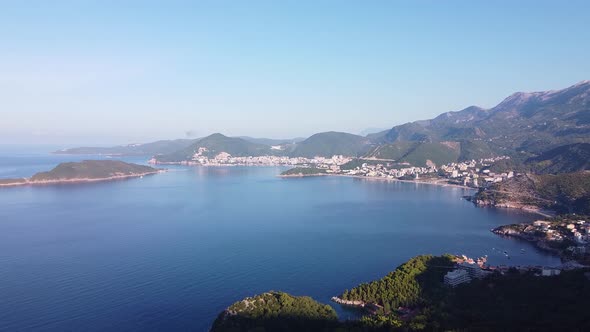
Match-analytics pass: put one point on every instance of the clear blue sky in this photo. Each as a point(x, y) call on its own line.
point(125, 71)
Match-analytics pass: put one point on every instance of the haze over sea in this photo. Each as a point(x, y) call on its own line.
point(171, 251)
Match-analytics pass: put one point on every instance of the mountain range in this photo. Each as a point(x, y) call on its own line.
point(526, 126)
point(522, 124)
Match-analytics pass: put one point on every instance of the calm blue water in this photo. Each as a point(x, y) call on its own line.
point(170, 251)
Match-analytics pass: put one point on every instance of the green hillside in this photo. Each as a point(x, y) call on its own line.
point(92, 169)
point(565, 193)
point(437, 152)
point(563, 159)
point(276, 311)
point(394, 151)
point(419, 153)
point(216, 144)
point(332, 143)
point(413, 283)
point(304, 171)
point(494, 303)
point(533, 122)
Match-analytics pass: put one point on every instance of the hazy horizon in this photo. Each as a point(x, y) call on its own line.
point(104, 74)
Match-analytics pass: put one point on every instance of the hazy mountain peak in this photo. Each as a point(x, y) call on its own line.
point(584, 82)
point(216, 135)
point(518, 98)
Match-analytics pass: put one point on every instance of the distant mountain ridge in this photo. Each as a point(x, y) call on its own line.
point(332, 143)
point(271, 141)
point(146, 149)
point(325, 144)
point(523, 122)
point(164, 146)
point(215, 144)
point(524, 125)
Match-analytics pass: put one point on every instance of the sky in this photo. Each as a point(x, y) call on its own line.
point(106, 72)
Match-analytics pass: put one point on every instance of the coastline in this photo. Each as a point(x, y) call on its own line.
point(542, 212)
point(504, 231)
point(440, 184)
point(300, 175)
point(406, 181)
point(27, 182)
point(513, 206)
point(528, 209)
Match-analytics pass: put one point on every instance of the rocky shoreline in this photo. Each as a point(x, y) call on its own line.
point(518, 231)
point(356, 304)
point(300, 175)
point(511, 205)
point(433, 183)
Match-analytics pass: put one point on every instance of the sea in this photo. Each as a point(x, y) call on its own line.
point(169, 252)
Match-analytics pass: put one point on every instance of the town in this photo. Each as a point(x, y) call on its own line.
point(567, 237)
point(471, 173)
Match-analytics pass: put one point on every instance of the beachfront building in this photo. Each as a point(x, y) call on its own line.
point(473, 270)
point(549, 272)
point(456, 277)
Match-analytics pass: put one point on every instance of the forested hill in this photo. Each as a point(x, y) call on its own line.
point(564, 193)
point(531, 123)
point(413, 283)
point(563, 159)
point(84, 171)
point(332, 143)
point(215, 144)
point(494, 303)
point(276, 311)
point(92, 169)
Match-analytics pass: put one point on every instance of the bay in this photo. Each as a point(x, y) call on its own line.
point(171, 251)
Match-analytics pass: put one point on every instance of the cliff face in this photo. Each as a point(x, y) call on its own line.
point(506, 203)
point(510, 230)
point(564, 193)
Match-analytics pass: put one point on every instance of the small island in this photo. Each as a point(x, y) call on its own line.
point(84, 171)
point(304, 171)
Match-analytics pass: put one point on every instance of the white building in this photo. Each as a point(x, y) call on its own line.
point(548, 272)
point(456, 277)
point(473, 270)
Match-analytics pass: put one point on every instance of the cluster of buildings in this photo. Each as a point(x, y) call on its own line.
point(575, 232)
point(465, 271)
point(384, 171)
point(474, 173)
point(225, 159)
point(201, 158)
